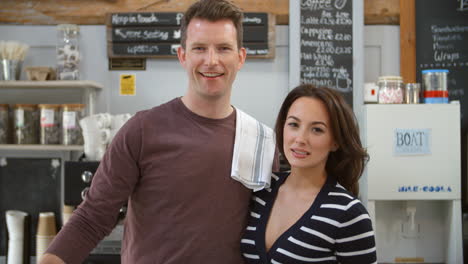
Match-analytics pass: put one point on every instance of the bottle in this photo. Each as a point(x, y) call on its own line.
point(68, 54)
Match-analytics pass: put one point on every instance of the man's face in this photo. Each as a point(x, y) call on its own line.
point(211, 57)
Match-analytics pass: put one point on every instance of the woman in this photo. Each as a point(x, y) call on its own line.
point(310, 214)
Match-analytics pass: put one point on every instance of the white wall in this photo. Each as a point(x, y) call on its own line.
point(259, 89)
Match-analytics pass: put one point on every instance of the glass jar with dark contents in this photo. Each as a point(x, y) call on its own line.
point(49, 124)
point(71, 130)
point(25, 120)
point(4, 124)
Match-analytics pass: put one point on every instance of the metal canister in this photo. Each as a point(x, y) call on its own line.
point(412, 93)
point(435, 85)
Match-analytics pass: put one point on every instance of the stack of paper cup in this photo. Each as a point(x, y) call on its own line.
point(67, 212)
point(15, 221)
point(46, 231)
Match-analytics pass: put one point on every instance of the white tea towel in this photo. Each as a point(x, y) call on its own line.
point(254, 151)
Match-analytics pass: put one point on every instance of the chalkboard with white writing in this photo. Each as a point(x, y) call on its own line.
point(326, 57)
point(442, 43)
point(152, 34)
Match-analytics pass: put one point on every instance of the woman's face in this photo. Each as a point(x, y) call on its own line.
point(307, 135)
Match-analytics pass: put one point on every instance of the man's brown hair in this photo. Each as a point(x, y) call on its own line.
point(213, 10)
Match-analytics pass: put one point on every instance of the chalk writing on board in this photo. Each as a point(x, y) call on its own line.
point(129, 19)
point(444, 39)
point(327, 44)
point(463, 5)
point(132, 34)
point(255, 19)
point(154, 34)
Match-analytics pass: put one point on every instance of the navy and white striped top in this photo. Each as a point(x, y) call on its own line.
point(335, 229)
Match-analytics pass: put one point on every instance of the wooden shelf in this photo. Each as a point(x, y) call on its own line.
point(41, 147)
point(50, 84)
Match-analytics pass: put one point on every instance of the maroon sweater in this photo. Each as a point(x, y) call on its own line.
point(174, 167)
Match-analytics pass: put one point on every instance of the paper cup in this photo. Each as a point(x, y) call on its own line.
point(46, 231)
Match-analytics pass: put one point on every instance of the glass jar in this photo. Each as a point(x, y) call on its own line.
point(49, 124)
point(25, 121)
point(68, 54)
point(71, 130)
point(391, 90)
point(4, 123)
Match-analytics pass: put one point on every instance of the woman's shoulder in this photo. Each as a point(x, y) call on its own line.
point(344, 200)
point(277, 178)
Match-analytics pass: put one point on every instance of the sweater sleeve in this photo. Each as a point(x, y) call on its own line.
point(355, 240)
point(112, 184)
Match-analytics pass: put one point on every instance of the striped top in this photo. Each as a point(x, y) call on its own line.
point(335, 229)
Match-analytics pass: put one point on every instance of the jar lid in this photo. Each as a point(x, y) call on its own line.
point(390, 79)
point(434, 70)
point(49, 106)
point(25, 106)
point(72, 106)
point(68, 28)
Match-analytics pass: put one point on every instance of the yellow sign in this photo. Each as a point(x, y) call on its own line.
point(127, 84)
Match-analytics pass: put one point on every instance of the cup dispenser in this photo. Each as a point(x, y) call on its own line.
point(414, 186)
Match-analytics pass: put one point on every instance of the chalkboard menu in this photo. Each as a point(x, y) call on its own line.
point(326, 58)
point(153, 34)
point(442, 43)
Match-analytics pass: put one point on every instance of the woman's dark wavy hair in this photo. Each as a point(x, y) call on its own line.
point(347, 163)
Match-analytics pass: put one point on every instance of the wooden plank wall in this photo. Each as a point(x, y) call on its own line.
point(381, 12)
point(408, 41)
point(92, 12)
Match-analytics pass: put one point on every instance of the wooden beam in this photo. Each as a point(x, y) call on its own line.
point(378, 12)
point(92, 12)
point(408, 40)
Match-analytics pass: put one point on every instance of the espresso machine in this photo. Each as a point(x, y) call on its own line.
point(414, 181)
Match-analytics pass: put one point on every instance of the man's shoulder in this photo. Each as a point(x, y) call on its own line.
point(159, 110)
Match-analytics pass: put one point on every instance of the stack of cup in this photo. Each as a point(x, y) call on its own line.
point(98, 132)
point(18, 237)
point(67, 212)
point(46, 232)
point(96, 135)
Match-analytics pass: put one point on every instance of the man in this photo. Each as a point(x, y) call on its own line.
point(172, 163)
